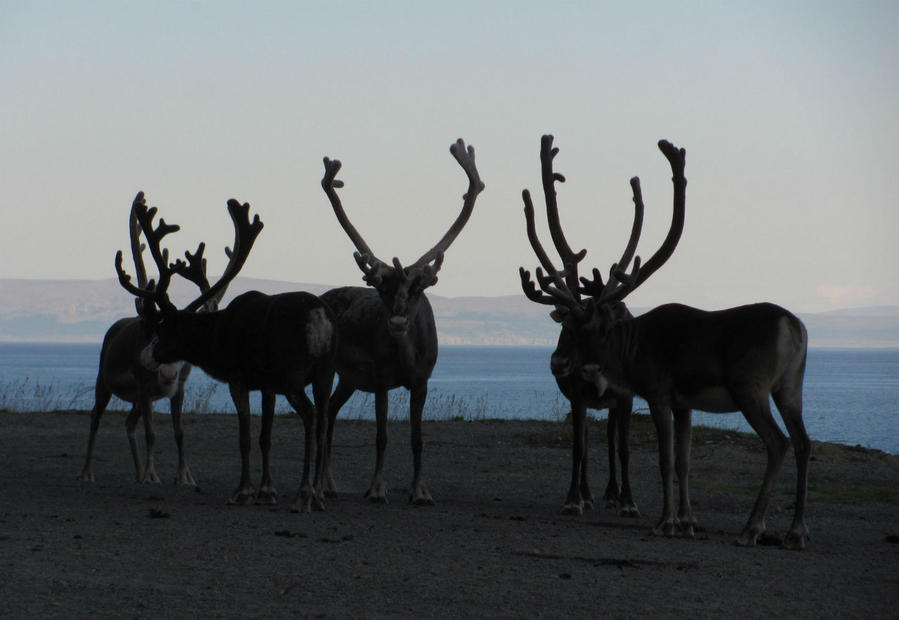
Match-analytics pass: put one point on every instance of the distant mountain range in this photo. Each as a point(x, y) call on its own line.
point(82, 310)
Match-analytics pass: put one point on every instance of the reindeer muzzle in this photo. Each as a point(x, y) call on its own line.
point(397, 325)
point(592, 373)
point(560, 365)
point(169, 372)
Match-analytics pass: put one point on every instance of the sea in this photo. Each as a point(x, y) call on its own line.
point(851, 396)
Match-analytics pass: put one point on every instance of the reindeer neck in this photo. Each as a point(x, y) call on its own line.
point(416, 348)
point(406, 351)
point(619, 357)
point(197, 341)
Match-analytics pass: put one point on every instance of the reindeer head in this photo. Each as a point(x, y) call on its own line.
point(160, 316)
point(588, 309)
point(399, 287)
point(566, 360)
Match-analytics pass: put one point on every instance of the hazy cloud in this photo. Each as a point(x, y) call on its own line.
point(845, 295)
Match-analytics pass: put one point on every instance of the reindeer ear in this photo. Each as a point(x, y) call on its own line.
point(428, 278)
point(559, 314)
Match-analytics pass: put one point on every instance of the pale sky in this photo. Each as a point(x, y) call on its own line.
point(788, 112)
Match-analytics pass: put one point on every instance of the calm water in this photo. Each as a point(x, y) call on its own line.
point(851, 395)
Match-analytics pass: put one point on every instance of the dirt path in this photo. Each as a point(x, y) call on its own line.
point(494, 545)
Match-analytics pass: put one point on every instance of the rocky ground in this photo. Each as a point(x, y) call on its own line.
point(495, 544)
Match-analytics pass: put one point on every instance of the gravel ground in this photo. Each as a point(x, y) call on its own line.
point(495, 544)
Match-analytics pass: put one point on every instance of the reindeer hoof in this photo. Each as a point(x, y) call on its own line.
point(628, 510)
point(185, 478)
point(665, 528)
point(611, 498)
point(572, 509)
point(796, 538)
point(266, 498)
point(425, 500)
point(302, 504)
point(377, 493)
point(242, 497)
point(794, 542)
point(419, 496)
point(330, 487)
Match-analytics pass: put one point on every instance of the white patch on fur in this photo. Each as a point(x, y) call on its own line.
point(146, 358)
point(319, 332)
point(167, 377)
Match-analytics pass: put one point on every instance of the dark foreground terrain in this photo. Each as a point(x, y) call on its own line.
point(494, 545)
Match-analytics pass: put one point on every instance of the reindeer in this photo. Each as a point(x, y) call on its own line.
point(565, 366)
point(388, 337)
point(277, 344)
point(121, 373)
point(680, 358)
point(583, 395)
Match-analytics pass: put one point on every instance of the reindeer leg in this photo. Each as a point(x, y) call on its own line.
point(245, 491)
point(321, 392)
point(338, 400)
point(661, 416)
point(757, 412)
point(150, 476)
point(266, 494)
point(789, 404)
point(612, 496)
point(176, 403)
point(574, 503)
point(683, 435)
point(101, 399)
point(300, 403)
point(130, 429)
point(584, 486)
point(418, 494)
point(377, 492)
point(626, 505)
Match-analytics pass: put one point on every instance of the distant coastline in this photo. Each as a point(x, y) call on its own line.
point(82, 310)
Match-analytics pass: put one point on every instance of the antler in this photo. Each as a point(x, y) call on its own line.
point(429, 264)
point(595, 288)
point(245, 234)
point(527, 285)
point(156, 293)
point(194, 269)
point(549, 177)
point(330, 184)
point(465, 157)
point(370, 264)
point(137, 249)
point(561, 288)
point(629, 282)
point(530, 289)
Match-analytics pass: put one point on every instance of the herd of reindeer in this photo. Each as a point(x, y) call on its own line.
point(383, 336)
